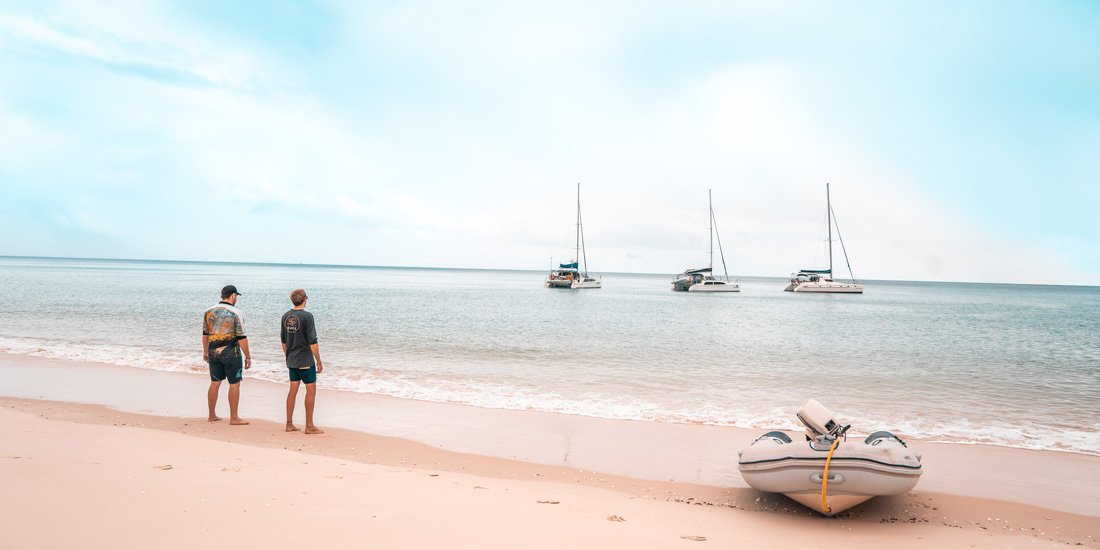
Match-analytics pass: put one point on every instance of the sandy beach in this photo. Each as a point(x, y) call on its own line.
point(119, 458)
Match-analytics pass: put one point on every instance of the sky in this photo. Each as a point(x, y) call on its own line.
point(961, 140)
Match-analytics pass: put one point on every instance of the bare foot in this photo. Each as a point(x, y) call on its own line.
point(213, 419)
point(238, 422)
point(311, 430)
point(291, 427)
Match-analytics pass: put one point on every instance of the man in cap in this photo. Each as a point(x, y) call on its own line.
point(223, 341)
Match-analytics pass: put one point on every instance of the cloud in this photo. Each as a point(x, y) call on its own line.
point(132, 36)
point(88, 221)
point(458, 139)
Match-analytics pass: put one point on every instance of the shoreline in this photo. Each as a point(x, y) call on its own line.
point(969, 488)
point(1066, 431)
point(263, 375)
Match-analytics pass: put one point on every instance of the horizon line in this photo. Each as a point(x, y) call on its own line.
point(364, 266)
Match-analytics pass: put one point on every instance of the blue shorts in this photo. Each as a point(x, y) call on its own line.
point(226, 368)
point(308, 376)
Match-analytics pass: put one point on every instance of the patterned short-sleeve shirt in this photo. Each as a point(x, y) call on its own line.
point(224, 327)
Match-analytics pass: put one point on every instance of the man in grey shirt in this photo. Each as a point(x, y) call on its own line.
point(303, 358)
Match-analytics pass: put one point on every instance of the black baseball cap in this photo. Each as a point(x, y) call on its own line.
point(229, 290)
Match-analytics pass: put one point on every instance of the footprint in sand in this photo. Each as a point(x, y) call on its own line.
point(234, 469)
point(163, 467)
point(615, 518)
point(693, 537)
point(548, 502)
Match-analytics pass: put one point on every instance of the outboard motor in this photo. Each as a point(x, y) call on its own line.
point(819, 423)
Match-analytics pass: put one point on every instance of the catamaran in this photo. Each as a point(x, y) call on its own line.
point(821, 280)
point(702, 279)
point(570, 275)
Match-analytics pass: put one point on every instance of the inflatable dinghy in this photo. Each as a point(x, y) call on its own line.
point(827, 472)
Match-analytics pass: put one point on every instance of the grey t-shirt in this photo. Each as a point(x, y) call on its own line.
point(298, 332)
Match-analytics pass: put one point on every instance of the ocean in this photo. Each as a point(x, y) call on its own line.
point(1012, 365)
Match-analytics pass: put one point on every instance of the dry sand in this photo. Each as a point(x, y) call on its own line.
point(84, 475)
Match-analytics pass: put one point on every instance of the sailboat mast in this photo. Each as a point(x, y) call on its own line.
point(710, 229)
point(584, 253)
point(577, 249)
point(829, 222)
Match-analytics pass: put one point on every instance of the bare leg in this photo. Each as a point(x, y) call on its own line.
point(234, 399)
point(311, 396)
point(291, 397)
point(212, 400)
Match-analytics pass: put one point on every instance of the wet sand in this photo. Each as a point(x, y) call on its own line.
point(401, 473)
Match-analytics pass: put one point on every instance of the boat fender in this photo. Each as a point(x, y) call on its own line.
point(877, 437)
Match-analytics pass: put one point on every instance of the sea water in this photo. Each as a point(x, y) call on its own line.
point(1014, 365)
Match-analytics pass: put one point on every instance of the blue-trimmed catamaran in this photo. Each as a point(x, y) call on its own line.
point(821, 280)
point(702, 279)
point(570, 275)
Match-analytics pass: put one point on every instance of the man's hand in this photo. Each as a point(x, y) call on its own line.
point(320, 367)
point(247, 363)
point(205, 358)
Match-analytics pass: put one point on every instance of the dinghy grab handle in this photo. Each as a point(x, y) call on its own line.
point(833, 478)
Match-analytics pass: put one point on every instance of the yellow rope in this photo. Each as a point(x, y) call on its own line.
point(825, 477)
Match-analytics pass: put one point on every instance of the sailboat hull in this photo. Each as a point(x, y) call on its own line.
point(716, 286)
point(586, 283)
point(832, 287)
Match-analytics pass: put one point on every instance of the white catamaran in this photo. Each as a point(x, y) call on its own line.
point(570, 275)
point(821, 280)
point(702, 279)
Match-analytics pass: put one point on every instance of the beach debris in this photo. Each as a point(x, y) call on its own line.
point(614, 517)
point(163, 467)
point(548, 501)
point(695, 538)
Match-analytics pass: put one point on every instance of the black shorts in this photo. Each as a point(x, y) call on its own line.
point(226, 368)
point(306, 376)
